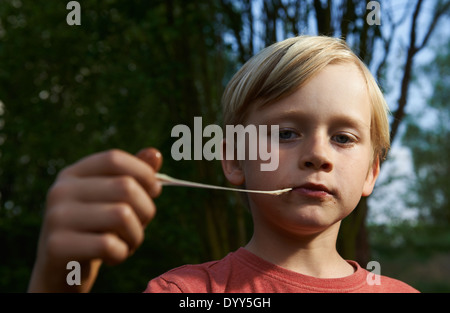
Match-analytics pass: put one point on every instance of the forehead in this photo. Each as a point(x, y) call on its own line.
point(338, 89)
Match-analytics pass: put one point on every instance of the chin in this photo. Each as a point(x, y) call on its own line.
point(312, 219)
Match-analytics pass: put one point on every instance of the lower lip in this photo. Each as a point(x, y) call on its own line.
point(311, 192)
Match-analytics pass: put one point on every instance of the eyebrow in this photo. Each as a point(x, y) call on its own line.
point(350, 121)
point(299, 117)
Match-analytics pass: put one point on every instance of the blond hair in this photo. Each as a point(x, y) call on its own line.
point(280, 69)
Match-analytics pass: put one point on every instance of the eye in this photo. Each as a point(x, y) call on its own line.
point(287, 134)
point(344, 139)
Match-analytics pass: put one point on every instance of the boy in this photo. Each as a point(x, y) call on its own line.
point(333, 132)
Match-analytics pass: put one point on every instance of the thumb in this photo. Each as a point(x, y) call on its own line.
point(152, 156)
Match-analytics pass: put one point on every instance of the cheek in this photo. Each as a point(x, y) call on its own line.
point(350, 179)
point(254, 177)
point(266, 169)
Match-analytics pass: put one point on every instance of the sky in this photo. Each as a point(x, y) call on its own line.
point(387, 204)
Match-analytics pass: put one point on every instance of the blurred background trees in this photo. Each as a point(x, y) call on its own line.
point(134, 69)
point(427, 135)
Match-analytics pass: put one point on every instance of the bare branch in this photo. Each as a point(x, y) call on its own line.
point(439, 12)
point(412, 51)
point(236, 26)
point(400, 112)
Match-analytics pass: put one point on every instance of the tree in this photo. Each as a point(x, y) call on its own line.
point(122, 79)
point(428, 141)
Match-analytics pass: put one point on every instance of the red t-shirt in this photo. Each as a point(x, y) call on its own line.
point(242, 271)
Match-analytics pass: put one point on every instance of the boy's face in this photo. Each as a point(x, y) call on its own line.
point(325, 153)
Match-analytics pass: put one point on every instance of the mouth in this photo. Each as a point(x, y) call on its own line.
point(313, 190)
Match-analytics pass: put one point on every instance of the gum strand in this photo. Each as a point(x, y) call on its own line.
point(166, 180)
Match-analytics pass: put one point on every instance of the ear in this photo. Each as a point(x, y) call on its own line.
point(231, 166)
point(371, 178)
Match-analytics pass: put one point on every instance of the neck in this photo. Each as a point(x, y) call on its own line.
point(313, 254)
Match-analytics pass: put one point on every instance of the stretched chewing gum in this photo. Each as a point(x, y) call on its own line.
point(170, 181)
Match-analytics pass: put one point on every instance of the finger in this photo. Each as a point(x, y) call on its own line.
point(115, 162)
point(123, 189)
point(75, 246)
point(151, 156)
point(118, 218)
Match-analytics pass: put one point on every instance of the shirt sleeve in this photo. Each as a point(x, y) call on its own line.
point(160, 285)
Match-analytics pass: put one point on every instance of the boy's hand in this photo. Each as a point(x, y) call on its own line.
point(97, 210)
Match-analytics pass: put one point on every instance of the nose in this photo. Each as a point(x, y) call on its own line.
point(315, 154)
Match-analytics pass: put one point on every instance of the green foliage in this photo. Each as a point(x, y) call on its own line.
point(417, 254)
point(427, 136)
point(122, 79)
